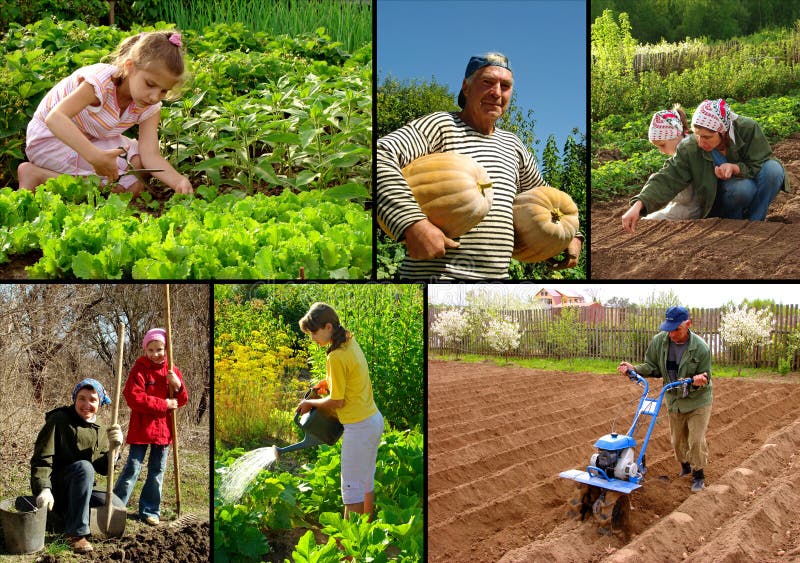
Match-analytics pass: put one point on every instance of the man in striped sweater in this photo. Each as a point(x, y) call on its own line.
point(485, 251)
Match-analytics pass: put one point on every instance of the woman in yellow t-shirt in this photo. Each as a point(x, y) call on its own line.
point(351, 401)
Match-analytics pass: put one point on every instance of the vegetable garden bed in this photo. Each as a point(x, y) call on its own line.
point(273, 132)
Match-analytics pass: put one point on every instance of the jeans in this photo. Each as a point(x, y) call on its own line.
point(738, 195)
point(75, 496)
point(150, 498)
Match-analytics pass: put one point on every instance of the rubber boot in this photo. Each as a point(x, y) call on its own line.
point(698, 480)
point(686, 469)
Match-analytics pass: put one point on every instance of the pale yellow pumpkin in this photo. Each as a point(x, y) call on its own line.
point(545, 222)
point(453, 191)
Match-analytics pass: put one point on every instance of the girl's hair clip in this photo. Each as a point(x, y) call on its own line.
point(175, 39)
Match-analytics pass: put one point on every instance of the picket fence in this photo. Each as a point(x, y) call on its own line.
point(619, 333)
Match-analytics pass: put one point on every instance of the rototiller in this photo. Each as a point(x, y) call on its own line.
point(615, 470)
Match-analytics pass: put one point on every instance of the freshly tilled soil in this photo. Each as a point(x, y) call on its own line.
point(704, 248)
point(499, 436)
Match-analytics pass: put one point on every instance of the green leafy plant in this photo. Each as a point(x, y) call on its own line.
point(236, 535)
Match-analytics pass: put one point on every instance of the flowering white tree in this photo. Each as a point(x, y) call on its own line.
point(742, 328)
point(502, 335)
point(451, 326)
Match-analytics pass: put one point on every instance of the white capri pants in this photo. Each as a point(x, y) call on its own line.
point(360, 443)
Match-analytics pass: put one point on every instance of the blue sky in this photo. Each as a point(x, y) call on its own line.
point(544, 40)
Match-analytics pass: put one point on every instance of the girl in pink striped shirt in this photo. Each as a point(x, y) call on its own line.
point(77, 128)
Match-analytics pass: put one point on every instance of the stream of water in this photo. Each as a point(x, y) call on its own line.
point(234, 482)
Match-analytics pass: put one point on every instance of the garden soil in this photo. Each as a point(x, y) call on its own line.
point(186, 540)
point(705, 248)
point(499, 436)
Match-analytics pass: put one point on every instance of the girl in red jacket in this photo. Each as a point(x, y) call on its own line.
point(147, 393)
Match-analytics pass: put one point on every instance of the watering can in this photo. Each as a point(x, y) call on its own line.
point(318, 427)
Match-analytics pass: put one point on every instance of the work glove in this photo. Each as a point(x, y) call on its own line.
point(45, 499)
point(114, 436)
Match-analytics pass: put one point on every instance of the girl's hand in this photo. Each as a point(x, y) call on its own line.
point(303, 407)
point(173, 380)
point(322, 388)
point(172, 404)
point(183, 186)
point(105, 164)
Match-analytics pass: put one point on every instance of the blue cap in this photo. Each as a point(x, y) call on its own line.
point(97, 386)
point(479, 61)
point(674, 317)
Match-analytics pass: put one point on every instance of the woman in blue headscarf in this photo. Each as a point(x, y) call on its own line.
point(70, 448)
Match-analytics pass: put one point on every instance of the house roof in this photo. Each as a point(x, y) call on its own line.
point(564, 293)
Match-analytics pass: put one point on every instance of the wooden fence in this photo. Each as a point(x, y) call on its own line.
point(688, 56)
point(623, 334)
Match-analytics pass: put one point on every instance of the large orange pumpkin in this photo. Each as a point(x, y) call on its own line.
point(453, 191)
point(545, 222)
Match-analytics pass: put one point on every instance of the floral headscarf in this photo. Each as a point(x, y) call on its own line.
point(716, 116)
point(94, 384)
point(665, 126)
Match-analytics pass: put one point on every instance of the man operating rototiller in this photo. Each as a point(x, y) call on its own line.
point(683, 361)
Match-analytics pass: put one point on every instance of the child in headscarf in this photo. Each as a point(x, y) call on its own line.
point(70, 448)
point(729, 162)
point(668, 129)
point(147, 392)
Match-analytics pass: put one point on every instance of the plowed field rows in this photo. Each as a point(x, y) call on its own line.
point(705, 248)
point(499, 436)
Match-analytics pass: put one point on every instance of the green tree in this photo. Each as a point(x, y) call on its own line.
point(613, 49)
point(552, 167)
point(661, 300)
point(716, 18)
point(674, 20)
point(522, 124)
point(399, 102)
point(566, 335)
point(622, 302)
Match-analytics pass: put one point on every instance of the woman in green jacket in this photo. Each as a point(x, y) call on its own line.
point(71, 448)
point(728, 161)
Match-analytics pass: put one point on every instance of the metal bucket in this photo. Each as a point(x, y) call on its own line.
point(23, 525)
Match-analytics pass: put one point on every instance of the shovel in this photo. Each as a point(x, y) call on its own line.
point(109, 520)
point(173, 413)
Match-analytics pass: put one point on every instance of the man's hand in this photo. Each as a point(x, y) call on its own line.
point(425, 241)
point(624, 367)
point(45, 499)
point(573, 254)
point(700, 379)
point(114, 433)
